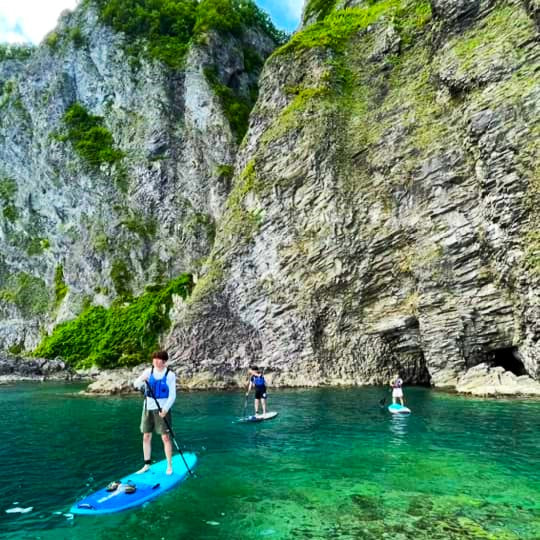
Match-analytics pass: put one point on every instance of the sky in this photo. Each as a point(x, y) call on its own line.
point(28, 21)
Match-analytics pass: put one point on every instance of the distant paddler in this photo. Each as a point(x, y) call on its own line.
point(257, 381)
point(397, 390)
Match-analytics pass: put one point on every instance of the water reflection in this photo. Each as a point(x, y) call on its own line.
point(399, 428)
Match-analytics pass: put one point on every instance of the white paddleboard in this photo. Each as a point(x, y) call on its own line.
point(259, 417)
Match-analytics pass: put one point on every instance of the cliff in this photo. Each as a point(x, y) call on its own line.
point(384, 210)
point(381, 215)
point(117, 142)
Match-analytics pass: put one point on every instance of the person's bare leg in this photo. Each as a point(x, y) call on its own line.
point(257, 406)
point(264, 405)
point(147, 451)
point(167, 446)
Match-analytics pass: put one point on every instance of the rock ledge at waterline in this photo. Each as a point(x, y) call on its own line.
point(482, 380)
point(15, 368)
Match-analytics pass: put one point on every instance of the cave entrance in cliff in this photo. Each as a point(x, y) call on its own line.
point(508, 359)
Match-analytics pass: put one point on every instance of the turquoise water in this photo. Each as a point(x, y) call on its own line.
point(333, 464)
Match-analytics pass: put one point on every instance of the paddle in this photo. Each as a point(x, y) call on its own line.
point(245, 401)
point(382, 402)
point(245, 406)
point(152, 395)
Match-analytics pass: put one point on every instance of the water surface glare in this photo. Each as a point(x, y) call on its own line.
point(333, 464)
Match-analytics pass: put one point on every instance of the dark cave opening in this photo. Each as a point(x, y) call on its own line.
point(508, 359)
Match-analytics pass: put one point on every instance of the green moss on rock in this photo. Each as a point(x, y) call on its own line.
point(60, 286)
point(15, 51)
point(493, 38)
point(318, 9)
point(90, 138)
point(225, 171)
point(336, 29)
point(240, 223)
point(140, 225)
point(121, 278)
point(209, 281)
point(8, 189)
point(235, 107)
point(206, 222)
point(28, 293)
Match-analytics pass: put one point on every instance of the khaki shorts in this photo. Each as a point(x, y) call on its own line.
point(151, 421)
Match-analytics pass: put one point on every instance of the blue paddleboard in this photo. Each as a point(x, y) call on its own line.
point(149, 485)
point(396, 408)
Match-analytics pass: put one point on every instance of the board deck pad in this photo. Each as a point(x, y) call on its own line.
point(259, 417)
point(150, 485)
point(396, 408)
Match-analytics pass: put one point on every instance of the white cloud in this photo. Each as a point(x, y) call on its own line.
point(30, 20)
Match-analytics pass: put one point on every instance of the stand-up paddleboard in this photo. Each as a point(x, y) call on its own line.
point(259, 417)
point(148, 486)
point(396, 408)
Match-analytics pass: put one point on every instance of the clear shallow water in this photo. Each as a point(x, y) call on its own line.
point(333, 464)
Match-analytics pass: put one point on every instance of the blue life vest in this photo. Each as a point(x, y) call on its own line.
point(258, 381)
point(159, 386)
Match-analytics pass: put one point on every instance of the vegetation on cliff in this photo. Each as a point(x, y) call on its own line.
point(15, 51)
point(90, 138)
point(60, 286)
point(235, 107)
point(8, 189)
point(27, 292)
point(123, 335)
point(164, 30)
point(333, 29)
point(169, 26)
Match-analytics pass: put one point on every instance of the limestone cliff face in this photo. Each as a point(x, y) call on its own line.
point(383, 214)
point(74, 232)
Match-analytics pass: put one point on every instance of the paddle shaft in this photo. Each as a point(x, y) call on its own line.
point(245, 402)
point(152, 395)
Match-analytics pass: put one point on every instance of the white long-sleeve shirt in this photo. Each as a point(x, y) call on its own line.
point(164, 403)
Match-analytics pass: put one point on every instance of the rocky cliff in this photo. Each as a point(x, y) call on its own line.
point(116, 156)
point(384, 210)
point(382, 215)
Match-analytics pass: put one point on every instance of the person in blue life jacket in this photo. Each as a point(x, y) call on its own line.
point(162, 381)
point(397, 390)
point(256, 380)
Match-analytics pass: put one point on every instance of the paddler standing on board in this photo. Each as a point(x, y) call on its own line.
point(397, 390)
point(159, 384)
point(257, 381)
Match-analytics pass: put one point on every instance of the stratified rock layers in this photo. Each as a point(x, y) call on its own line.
point(385, 216)
point(382, 216)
